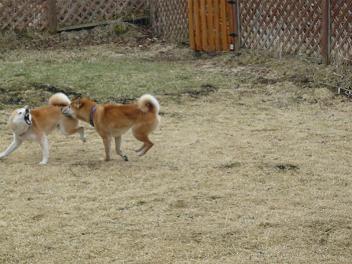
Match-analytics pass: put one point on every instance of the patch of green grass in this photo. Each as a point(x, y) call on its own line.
point(103, 76)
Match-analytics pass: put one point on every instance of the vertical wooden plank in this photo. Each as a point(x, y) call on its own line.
point(326, 31)
point(152, 5)
point(52, 16)
point(197, 25)
point(191, 24)
point(217, 25)
point(230, 24)
point(223, 20)
point(203, 17)
point(210, 25)
point(237, 26)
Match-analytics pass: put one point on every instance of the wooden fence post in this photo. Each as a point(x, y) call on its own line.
point(151, 6)
point(52, 16)
point(326, 31)
point(236, 34)
point(191, 26)
point(238, 26)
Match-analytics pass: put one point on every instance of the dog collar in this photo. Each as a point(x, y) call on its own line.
point(91, 115)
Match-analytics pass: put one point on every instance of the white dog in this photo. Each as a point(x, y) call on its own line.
point(37, 123)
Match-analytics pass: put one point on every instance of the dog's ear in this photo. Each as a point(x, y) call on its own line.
point(78, 102)
point(76, 97)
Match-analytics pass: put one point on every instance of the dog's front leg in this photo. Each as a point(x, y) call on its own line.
point(13, 146)
point(107, 146)
point(44, 144)
point(81, 134)
point(118, 148)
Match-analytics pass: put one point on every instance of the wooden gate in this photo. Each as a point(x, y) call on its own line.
point(213, 25)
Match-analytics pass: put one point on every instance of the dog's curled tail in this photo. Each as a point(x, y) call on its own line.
point(59, 99)
point(148, 103)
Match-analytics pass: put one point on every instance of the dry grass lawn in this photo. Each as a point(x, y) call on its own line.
point(258, 171)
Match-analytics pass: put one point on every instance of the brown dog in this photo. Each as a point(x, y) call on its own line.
point(37, 123)
point(112, 121)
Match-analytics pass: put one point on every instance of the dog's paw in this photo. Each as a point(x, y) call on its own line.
point(43, 162)
point(124, 157)
point(84, 140)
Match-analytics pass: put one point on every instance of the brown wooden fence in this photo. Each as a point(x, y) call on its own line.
point(52, 14)
point(319, 28)
point(210, 25)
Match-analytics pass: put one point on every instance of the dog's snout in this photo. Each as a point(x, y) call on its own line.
point(67, 111)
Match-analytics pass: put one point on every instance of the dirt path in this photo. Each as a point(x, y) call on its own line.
point(235, 177)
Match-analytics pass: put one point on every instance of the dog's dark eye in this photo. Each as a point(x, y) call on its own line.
point(20, 113)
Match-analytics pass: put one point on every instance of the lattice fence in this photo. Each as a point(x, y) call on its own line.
point(282, 26)
point(170, 19)
point(24, 14)
point(341, 15)
point(89, 11)
point(34, 14)
point(286, 26)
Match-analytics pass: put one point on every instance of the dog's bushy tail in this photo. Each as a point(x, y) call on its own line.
point(148, 103)
point(59, 99)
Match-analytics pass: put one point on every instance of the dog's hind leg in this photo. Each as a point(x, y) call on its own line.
point(141, 135)
point(44, 144)
point(13, 146)
point(118, 148)
point(107, 146)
